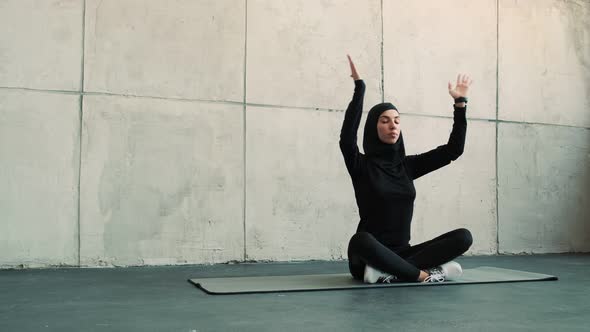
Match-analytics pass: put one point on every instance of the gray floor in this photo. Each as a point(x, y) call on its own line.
point(160, 299)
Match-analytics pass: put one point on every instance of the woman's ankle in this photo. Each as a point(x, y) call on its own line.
point(422, 276)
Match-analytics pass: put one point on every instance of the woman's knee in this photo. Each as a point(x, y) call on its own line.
point(361, 239)
point(464, 238)
point(356, 249)
point(362, 236)
point(361, 244)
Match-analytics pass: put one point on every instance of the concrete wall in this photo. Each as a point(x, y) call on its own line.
point(156, 132)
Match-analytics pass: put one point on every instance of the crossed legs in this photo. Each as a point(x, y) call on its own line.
point(407, 264)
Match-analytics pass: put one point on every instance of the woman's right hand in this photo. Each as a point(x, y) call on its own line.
point(354, 75)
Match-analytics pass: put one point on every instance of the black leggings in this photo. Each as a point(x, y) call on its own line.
point(405, 263)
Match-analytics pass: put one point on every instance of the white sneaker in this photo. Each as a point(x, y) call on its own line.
point(452, 270)
point(447, 271)
point(373, 276)
point(435, 274)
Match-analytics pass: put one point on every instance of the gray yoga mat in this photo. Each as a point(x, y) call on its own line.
point(317, 282)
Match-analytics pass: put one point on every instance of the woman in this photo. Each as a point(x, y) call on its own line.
point(382, 178)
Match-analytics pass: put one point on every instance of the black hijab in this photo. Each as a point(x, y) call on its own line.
point(373, 146)
point(385, 161)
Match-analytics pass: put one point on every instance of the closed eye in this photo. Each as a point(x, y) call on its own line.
point(386, 119)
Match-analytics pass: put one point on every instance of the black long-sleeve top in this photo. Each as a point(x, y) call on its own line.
point(387, 214)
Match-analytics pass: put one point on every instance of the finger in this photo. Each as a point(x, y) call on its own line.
point(458, 79)
point(450, 86)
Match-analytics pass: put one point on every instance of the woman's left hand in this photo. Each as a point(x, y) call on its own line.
point(460, 90)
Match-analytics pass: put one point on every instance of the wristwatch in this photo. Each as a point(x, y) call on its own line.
point(460, 100)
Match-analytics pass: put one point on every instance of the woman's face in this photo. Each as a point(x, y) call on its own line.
point(388, 126)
